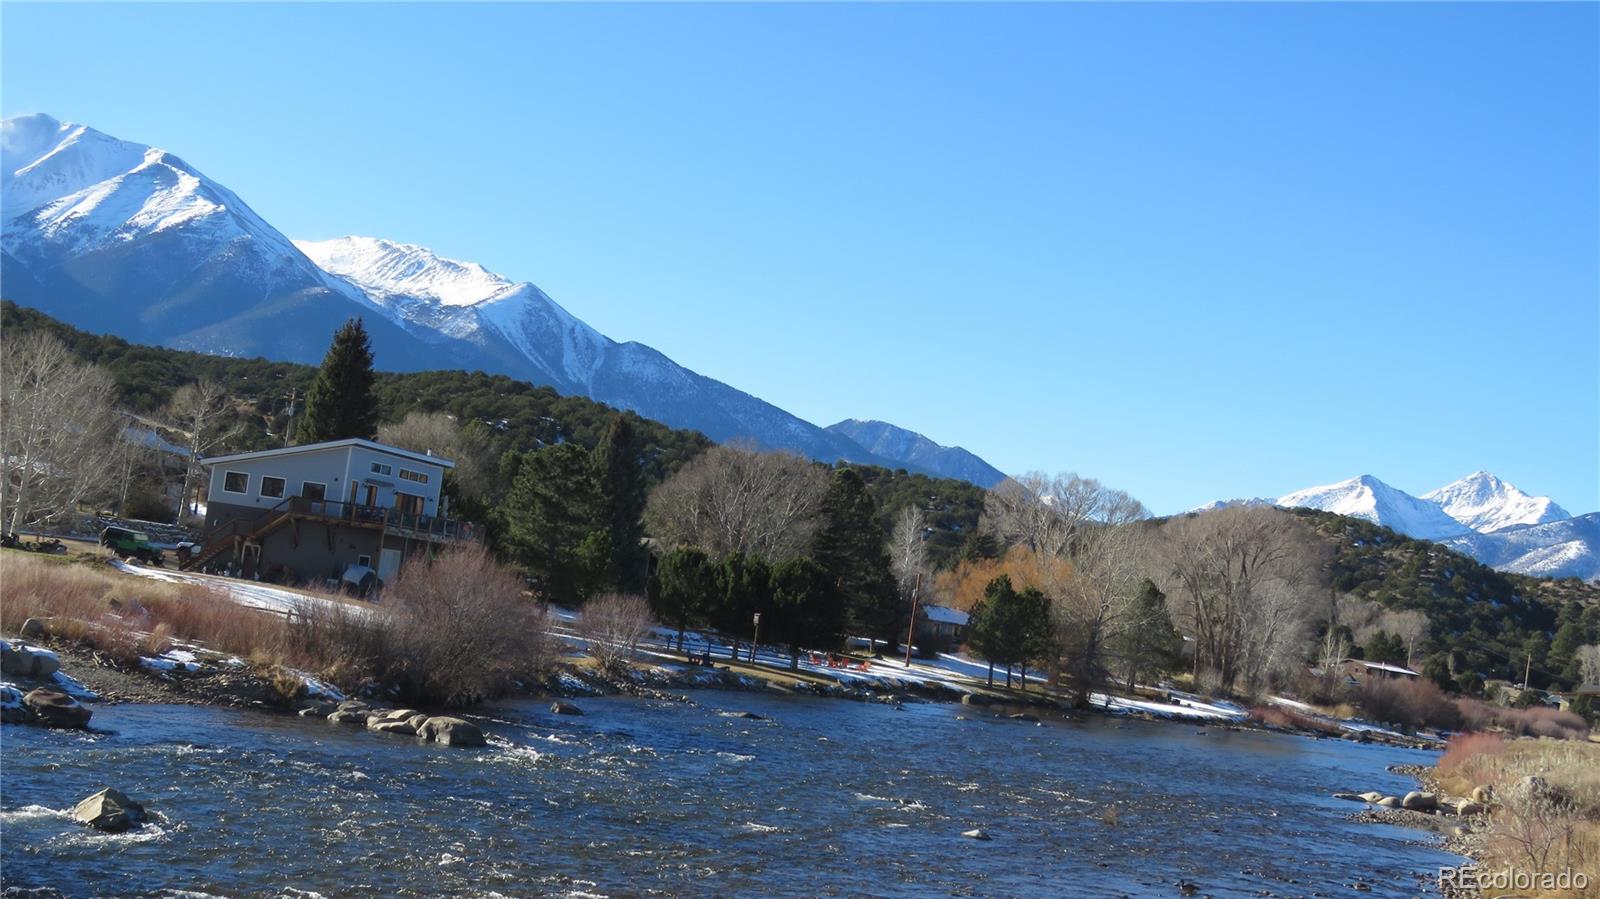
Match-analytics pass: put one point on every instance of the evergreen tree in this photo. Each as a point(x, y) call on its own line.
point(744, 587)
point(850, 546)
point(686, 585)
point(1038, 629)
point(341, 402)
point(547, 524)
point(998, 629)
point(1146, 640)
point(806, 609)
point(618, 470)
point(1437, 669)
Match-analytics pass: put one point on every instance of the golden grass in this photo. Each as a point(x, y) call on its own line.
point(1558, 832)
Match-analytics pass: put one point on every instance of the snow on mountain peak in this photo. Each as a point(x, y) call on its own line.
point(1484, 503)
point(1369, 498)
point(390, 269)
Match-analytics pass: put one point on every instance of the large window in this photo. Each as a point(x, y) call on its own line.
point(236, 482)
point(313, 490)
point(271, 487)
point(407, 474)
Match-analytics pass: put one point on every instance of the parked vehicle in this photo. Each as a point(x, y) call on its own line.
point(130, 544)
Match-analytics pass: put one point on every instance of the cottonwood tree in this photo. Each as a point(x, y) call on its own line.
point(1096, 530)
point(467, 445)
point(60, 436)
point(1243, 577)
point(614, 624)
point(730, 499)
point(200, 412)
point(908, 553)
point(1588, 659)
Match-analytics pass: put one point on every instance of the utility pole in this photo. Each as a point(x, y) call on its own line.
point(911, 631)
point(1527, 669)
point(288, 429)
point(755, 639)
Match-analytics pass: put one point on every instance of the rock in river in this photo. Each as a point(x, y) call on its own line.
point(977, 833)
point(12, 708)
point(451, 732)
point(54, 708)
point(19, 660)
point(108, 810)
point(565, 708)
point(1418, 801)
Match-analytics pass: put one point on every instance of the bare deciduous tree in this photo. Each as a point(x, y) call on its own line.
point(615, 624)
point(468, 446)
point(730, 499)
point(908, 554)
point(59, 434)
point(1243, 578)
point(1589, 663)
point(199, 412)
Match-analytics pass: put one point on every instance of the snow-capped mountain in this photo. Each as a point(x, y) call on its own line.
point(1485, 503)
point(1233, 503)
point(118, 237)
point(1369, 498)
point(912, 450)
point(123, 238)
point(1569, 547)
point(1479, 515)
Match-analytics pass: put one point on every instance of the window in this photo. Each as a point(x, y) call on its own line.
point(381, 468)
point(407, 474)
point(271, 487)
point(364, 560)
point(236, 482)
point(313, 490)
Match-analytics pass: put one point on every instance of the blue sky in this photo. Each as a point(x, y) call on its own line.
point(1196, 251)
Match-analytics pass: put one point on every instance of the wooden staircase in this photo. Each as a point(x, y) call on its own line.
point(232, 534)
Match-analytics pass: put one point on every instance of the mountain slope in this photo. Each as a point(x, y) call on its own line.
point(1485, 503)
point(1368, 498)
point(912, 450)
point(1569, 547)
point(427, 291)
point(123, 238)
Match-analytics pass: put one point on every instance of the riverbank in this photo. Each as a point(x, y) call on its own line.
point(135, 634)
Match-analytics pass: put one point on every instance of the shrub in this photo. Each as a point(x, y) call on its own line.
point(1409, 703)
point(454, 630)
point(1535, 721)
point(1462, 747)
point(614, 624)
point(1278, 716)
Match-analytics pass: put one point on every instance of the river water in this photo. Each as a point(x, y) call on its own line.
point(638, 797)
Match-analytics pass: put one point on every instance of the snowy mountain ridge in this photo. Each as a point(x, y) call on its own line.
point(122, 238)
point(1479, 515)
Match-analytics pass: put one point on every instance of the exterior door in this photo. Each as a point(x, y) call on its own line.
point(407, 504)
point(372, 496)
point(388, 565)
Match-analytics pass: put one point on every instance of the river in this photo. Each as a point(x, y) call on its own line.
point(639, 797)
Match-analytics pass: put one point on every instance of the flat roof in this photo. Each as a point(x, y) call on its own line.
point(332, 444)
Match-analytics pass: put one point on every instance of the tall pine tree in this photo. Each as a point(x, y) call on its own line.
point(341, 402)
point(548, 524)
point(850, 547)
point(617, 463)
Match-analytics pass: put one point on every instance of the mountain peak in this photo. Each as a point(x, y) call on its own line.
point(1484, 503)
point(1367, 497)
point(389, 268)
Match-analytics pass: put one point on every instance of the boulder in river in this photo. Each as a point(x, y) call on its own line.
point(1371, 796)
point(977, 833)
point(108, 810)
point(21, 660)
point(379, 725)
point(1388, 802)
point(565, 708)
point(12, 709)
point(54, 708)
point(1419, 801)
point(974, 699)
point(1023, 716)
point(451, 731)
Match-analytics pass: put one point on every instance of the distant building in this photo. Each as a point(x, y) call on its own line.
point(307, 513)
point(941, 626)
point(1357, 671)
